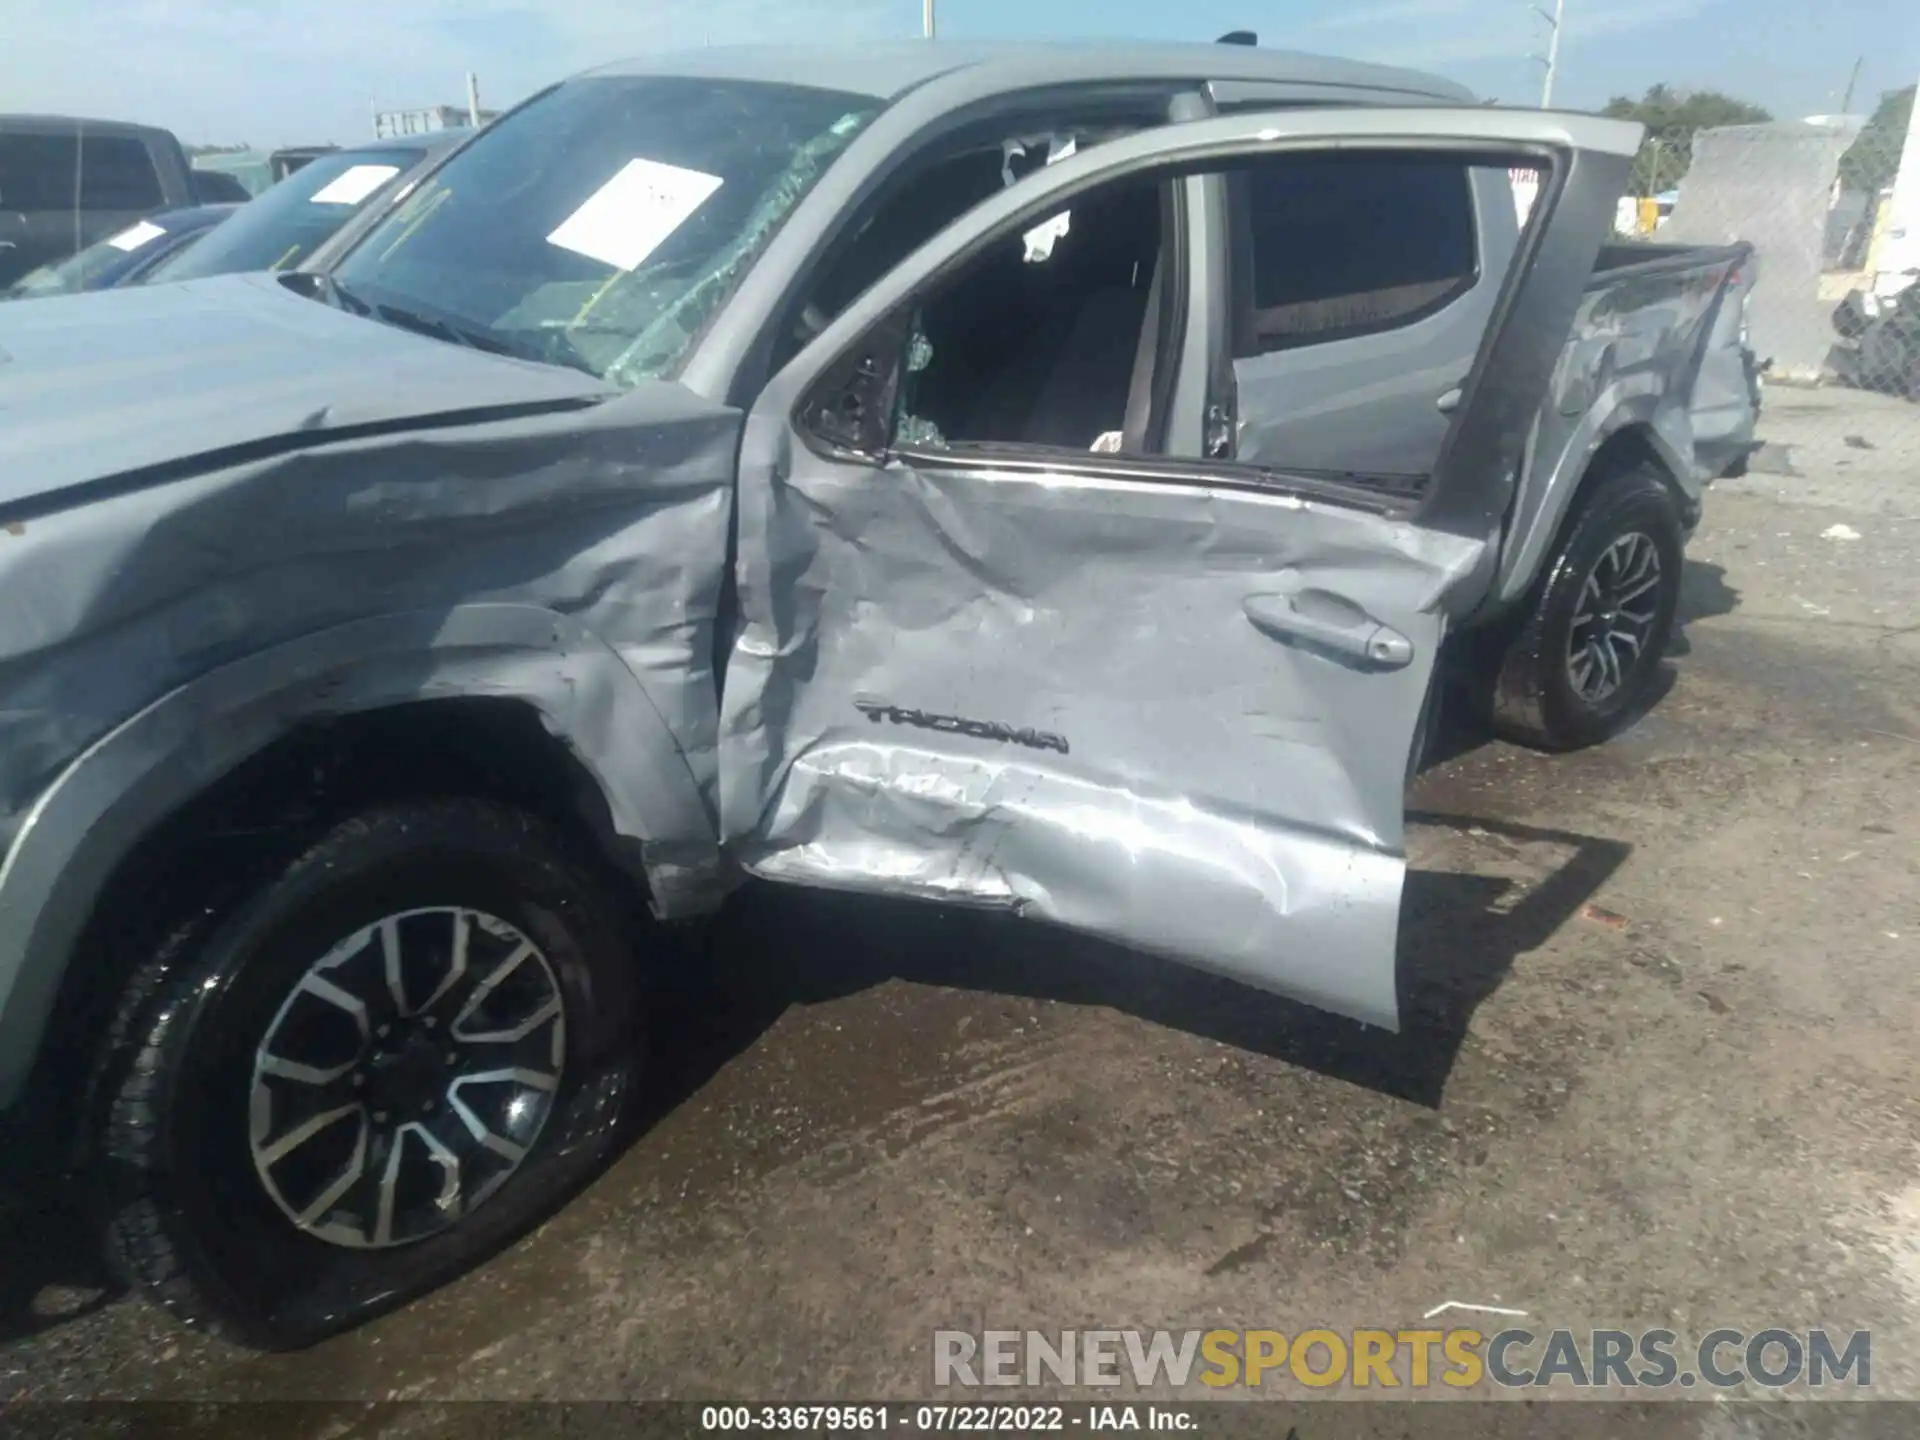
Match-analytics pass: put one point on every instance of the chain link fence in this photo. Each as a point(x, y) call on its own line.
point(1831, 206)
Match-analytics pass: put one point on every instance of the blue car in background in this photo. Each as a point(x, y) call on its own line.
point(126, 257)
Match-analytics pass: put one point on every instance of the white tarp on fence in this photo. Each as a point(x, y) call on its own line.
point(1770, 185)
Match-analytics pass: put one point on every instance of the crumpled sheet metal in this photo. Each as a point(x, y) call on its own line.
point(616, 516)
point(1642, 334)
point(117, 381)
point(1640, 353)
point(372, 570)
point(1223, 798)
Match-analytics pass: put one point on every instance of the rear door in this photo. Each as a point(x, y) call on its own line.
point(1021, 629)
point(1363, 291)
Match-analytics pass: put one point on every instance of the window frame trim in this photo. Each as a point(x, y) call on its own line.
point(1168, 471)
point(1548, 256)
point(1347, 490)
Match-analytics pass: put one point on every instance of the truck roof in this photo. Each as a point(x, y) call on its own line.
point(66, 124)
point(889, 69)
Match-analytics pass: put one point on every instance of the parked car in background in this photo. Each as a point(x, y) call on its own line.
point(66, 182)
point(1040, 478)
point(294, 158)
point(218, 187)
point(285, 225)
point(257, 171)
point(123, 259)
point(251, 170)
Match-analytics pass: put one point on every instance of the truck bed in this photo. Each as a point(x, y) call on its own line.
point(1638, 257)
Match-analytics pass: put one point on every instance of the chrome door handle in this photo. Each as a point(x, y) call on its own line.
point(1332, 623)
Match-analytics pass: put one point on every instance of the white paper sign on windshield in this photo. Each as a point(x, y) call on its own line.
point(626, 219)
point(134, 236)
point(353, 184)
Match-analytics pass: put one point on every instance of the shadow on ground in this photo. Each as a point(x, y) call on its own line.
point(50, 1266)
point(777, 947)
point(1460, 935)
point(1704, 592)
point(1704, 595)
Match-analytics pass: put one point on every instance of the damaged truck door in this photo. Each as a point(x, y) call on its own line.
point(1019, 627)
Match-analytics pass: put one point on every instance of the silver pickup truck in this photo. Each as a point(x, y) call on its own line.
point(1038, 478)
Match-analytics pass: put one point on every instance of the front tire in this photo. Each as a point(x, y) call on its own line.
point(391, 1057)
point(1587, 654)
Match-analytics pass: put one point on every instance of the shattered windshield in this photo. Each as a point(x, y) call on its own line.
point(604, 224)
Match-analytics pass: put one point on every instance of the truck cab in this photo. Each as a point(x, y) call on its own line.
point(66, 183)
point(925, 480)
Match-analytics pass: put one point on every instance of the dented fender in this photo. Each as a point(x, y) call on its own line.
point(1648, 352)
point(1544, 502)
point(349, 517)
point(102, 804)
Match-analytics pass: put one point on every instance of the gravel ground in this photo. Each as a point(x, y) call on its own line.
point(1661, 1073)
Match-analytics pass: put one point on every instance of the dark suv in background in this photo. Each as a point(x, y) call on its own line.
point(66, 183)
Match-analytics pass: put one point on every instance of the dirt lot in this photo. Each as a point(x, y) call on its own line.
point(1661, 1072)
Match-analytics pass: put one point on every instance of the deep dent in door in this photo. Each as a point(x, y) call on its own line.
point(862, 751)
point(1259, 839)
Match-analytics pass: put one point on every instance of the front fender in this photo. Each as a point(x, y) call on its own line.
point(89, 819)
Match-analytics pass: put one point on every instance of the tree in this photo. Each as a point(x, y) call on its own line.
point(1671, 117)
point(1874, 158)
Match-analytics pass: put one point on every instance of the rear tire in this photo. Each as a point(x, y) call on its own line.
point(253, 1021)
point(1587, 653)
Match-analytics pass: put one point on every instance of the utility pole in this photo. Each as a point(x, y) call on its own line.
point(1846, 100)
point(1552, 61)
point(473, 100)
point(926, 18)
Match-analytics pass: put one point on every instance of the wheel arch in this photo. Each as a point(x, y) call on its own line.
point(557, 718)
point(1608, 443)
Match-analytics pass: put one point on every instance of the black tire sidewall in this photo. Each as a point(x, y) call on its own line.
point(1636, 505)
point(276, 1285)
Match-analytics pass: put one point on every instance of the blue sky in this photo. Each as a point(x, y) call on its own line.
point(288, 71)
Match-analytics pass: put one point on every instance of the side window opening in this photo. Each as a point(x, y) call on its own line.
point(1045, 349)
point(1343, 245)
point(932, 194)
point(929, 202)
